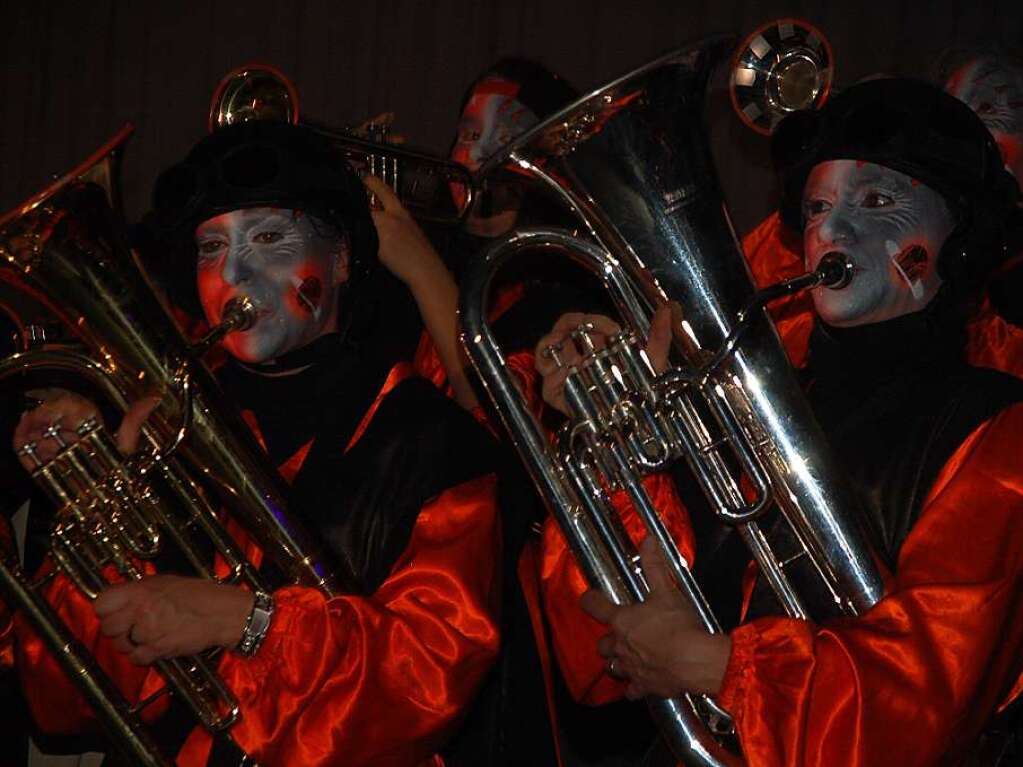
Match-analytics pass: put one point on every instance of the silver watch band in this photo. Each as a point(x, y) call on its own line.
point(257, 625)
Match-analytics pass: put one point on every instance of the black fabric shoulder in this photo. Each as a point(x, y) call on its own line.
point(366, 502)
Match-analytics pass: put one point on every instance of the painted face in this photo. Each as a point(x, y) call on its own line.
point(289, 264)
point(491, 119)
point(889, 226)
point(995, 93)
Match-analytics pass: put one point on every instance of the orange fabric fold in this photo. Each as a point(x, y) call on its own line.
point(775, 253)
point(377, 680)
point(574, 634)
point(381, 680)
point(7, 545)
point(426, 361)
point(948, 631)
point(55, 703)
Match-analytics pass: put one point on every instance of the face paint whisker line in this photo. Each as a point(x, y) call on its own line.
point(300, 291)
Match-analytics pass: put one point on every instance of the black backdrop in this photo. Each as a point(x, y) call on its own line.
point(74, 71)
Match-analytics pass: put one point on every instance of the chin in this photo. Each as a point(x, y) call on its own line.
point(244, 350)
point(838, 316)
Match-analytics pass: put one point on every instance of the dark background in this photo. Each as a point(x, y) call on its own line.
point(73, 72)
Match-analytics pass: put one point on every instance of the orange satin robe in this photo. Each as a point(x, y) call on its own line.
point(378, 680)
point(427, 364)
point(914, 680)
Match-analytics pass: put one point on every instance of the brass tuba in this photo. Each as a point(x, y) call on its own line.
point(632, 161)
point(65, 248)
point(431, 189)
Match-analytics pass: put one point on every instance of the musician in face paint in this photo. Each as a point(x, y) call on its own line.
point(889, 226)
point(491, 118)
point(994, 90)
point(290, 265)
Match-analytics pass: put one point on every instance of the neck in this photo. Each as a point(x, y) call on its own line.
point(297, 361)
point(885, 350)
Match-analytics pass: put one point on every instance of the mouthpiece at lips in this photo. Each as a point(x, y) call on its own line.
point(835, 271)
point(239, 314)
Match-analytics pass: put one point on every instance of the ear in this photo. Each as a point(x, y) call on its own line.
point(342, 262)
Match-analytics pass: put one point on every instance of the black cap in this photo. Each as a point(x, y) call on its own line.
point(917, 129)
point(253, 164)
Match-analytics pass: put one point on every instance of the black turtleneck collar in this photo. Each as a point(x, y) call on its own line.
point(874, 354)
point(322, 388)
point(324, 348)
point(853, 368)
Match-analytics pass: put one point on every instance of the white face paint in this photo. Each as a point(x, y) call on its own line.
point(289, 265)
point(889, 226)
point(995, 93)
point(491, 118)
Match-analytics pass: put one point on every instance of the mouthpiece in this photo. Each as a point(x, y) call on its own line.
point(239, 314)
point(835, 271)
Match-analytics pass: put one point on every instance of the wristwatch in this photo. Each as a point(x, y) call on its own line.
point(257, 625)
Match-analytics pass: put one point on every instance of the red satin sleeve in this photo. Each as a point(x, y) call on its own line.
point(912, 681)
point(57, 706)
point(379, 680)
point(7, 544)
point(574, 634)
point(775, 253)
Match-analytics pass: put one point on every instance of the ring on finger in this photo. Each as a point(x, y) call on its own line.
point(613, 668)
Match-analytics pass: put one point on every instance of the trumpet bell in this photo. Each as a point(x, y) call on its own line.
point(253, 92)
point(782, 67)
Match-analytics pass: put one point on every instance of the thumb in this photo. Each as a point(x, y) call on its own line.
point(659, 342)
point(131, 425)
point(388, 199)
point(655, 567)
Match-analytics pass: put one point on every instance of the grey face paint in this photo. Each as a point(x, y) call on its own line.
point(289, 265)
point(889, 226)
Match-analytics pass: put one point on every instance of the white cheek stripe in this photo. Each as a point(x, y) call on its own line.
point(297, 284)
point(915, 286)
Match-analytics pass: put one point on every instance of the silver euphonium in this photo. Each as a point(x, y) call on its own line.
point(632, 161)
point(65, 250)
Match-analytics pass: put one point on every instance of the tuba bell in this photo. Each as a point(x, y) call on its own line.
point(632, 161)
point(780, 68)
point(65, 249)
point(430, 188)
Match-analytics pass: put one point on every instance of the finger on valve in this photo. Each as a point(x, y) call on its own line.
point(51, 425)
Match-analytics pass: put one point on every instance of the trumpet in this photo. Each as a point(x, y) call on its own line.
point(430, 188)
point(631, 159)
